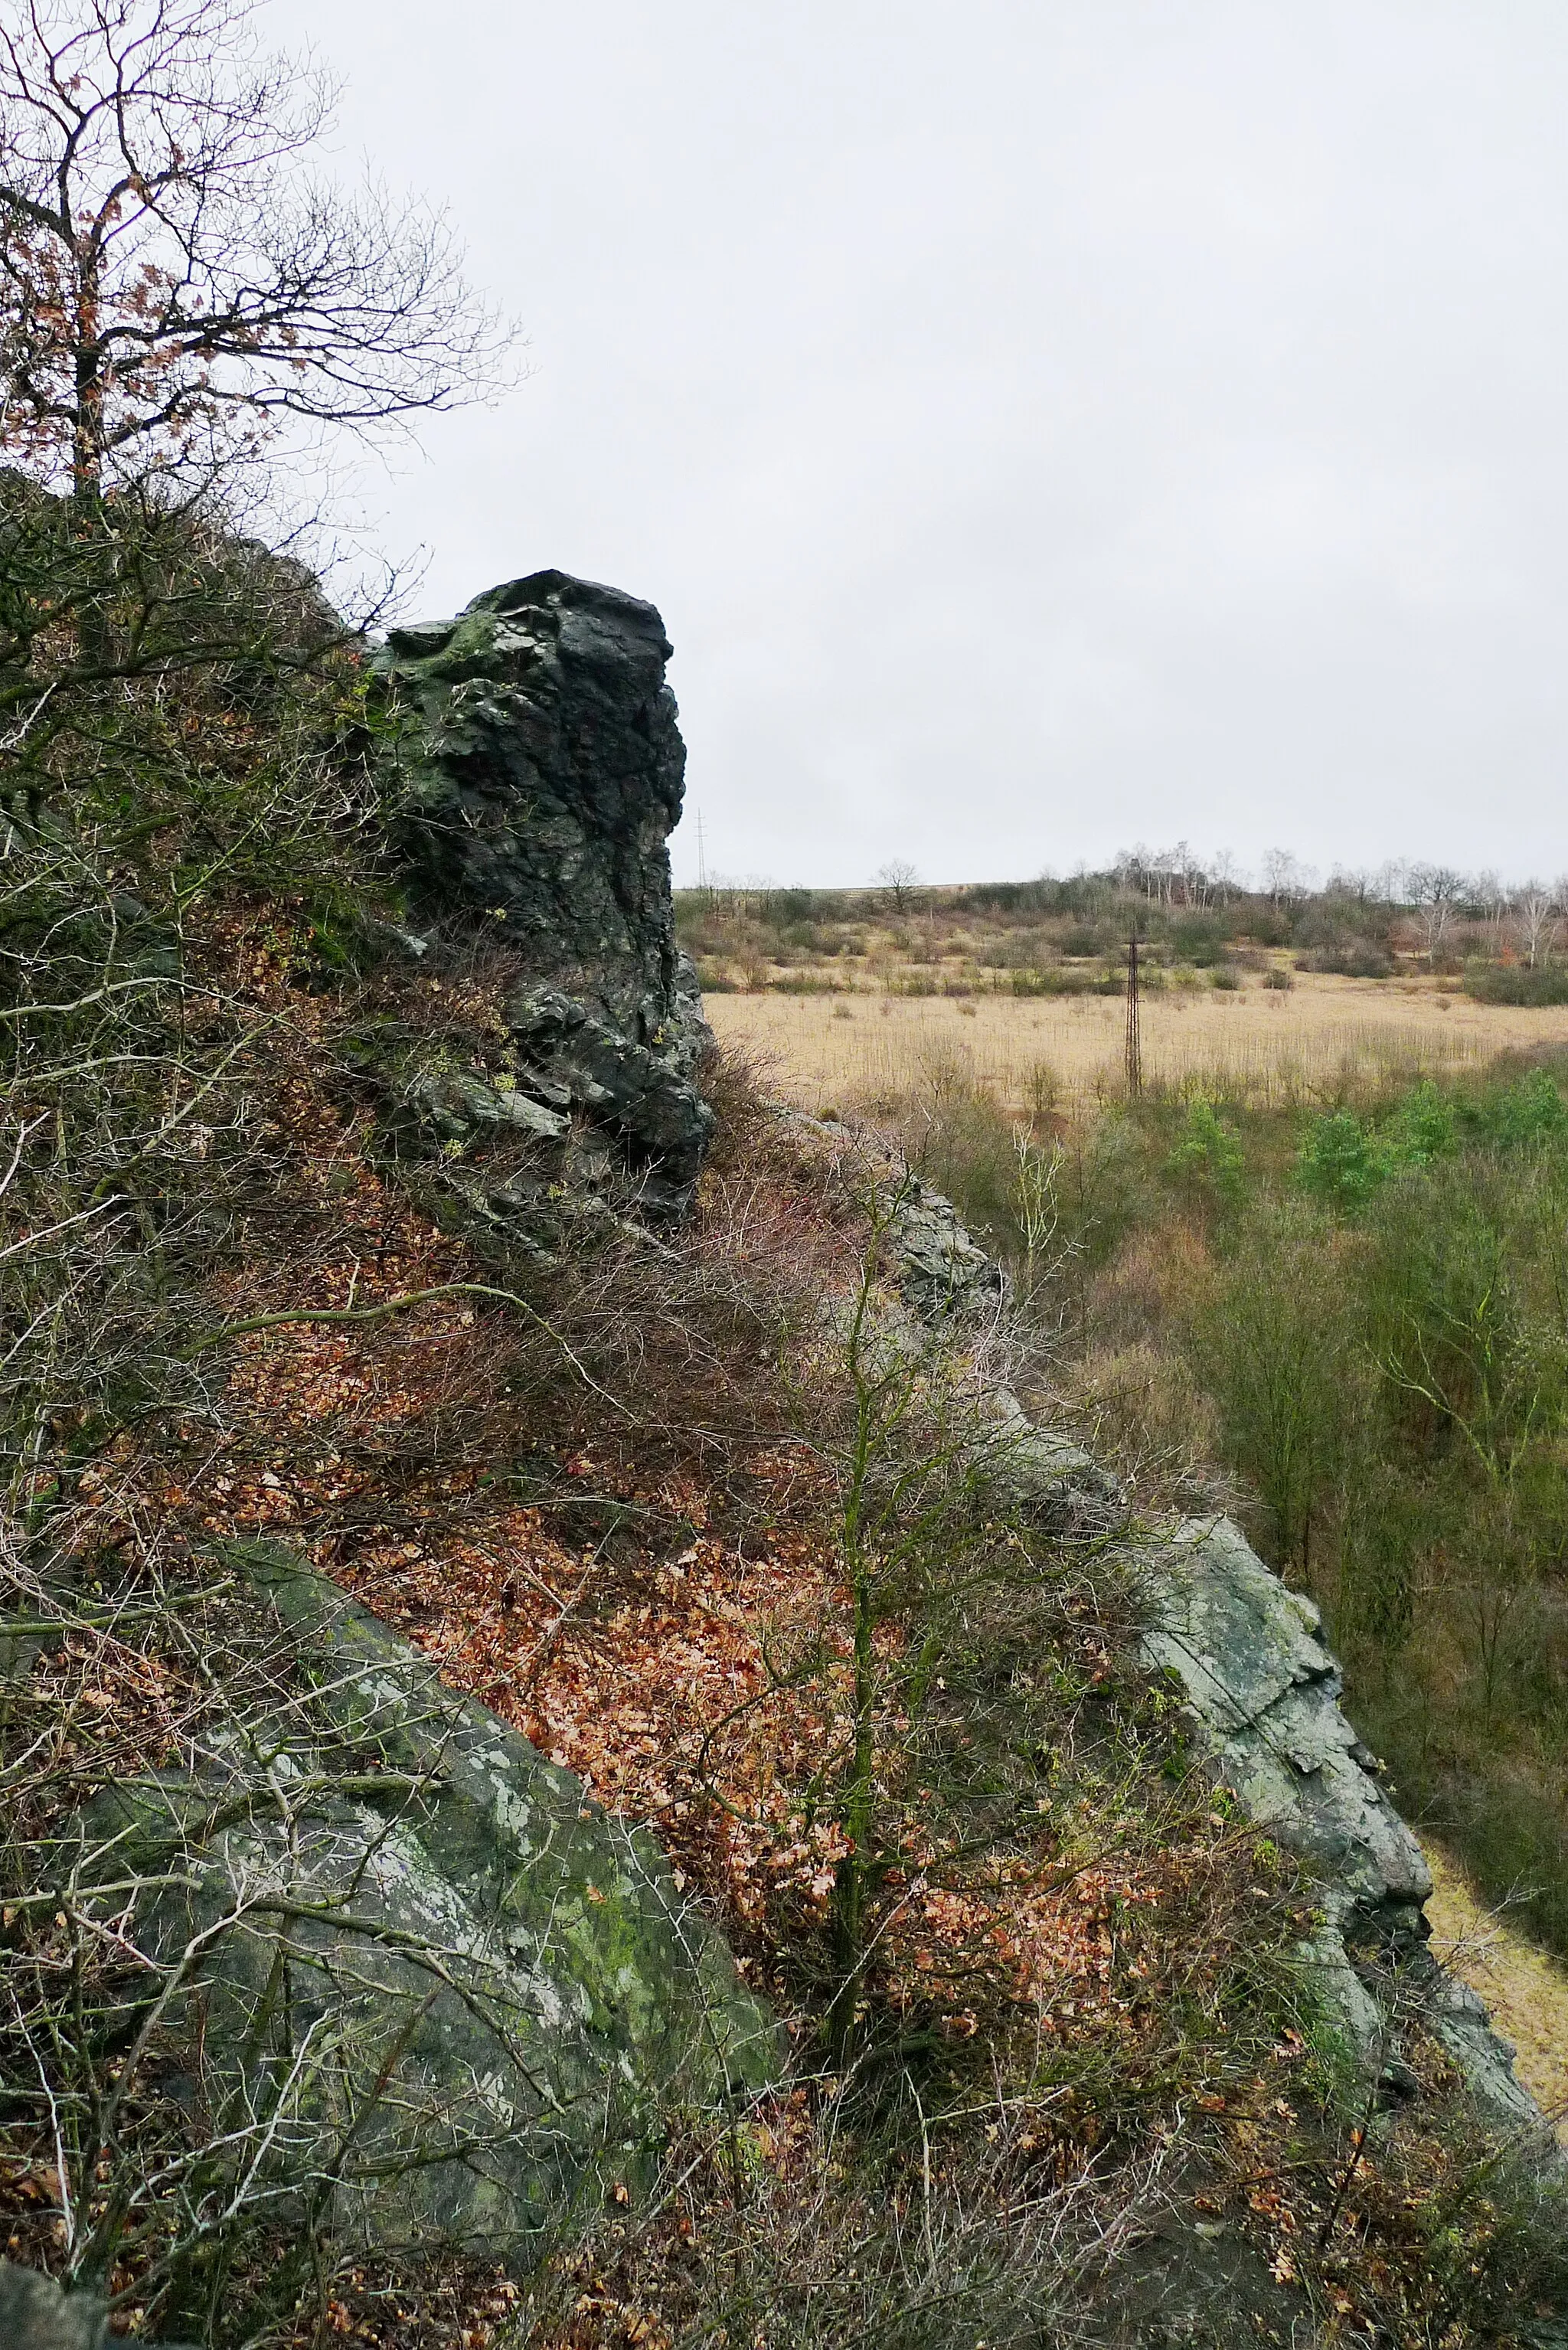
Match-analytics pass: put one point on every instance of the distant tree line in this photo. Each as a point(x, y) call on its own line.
point(1447, 915)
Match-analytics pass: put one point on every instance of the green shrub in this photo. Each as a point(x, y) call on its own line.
point(1532, 1111)
point(1209, 1155)
point(1491, 982)
point(1338, 1162)
point(1276, 1347)
point(1343, 1160)
point(1066, 980)
point(1199, 941)
point(1363, 958)
point(1424, 1126)
point(1053, 981)
point(1382, 1353)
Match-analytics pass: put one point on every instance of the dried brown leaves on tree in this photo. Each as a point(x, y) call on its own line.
point(180, 277)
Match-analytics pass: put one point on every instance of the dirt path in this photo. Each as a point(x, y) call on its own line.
point(1526, 1990)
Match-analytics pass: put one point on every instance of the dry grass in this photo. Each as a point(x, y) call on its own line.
point(1277, 1047)
point(1526, 1991)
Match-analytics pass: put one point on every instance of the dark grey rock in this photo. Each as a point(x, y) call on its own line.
point(543, 773)
point(941, 1270)
point(1037, 1470)
point(1263, 1693)
point(541, 770)
point(946, 1280)
point(1258, 1678)
point(36, 2313)
point(457, 1104)
point(641, 1094)
point(1457, 2017)
point(464, 1996)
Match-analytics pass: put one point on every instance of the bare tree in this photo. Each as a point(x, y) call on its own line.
point(1491, 894)
point(1134, 870)
point(1285, 877)
point(186, 305)
point(180, 294)
point(1225, 876)
point(1537, 908)
point(1435, 891)
point(179, 284)
point(899, 879)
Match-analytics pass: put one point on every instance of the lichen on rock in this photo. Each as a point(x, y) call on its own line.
point(541, 770)
point(1263, 1693)
point(1249, 1654)
point(464, 1996)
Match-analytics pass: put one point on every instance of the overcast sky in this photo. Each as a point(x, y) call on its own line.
point(1044, 425)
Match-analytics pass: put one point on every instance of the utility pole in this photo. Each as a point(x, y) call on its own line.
point(1135, 1040)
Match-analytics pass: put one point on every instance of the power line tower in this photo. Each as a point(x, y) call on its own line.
point(1134, 1037)
point(701, 857)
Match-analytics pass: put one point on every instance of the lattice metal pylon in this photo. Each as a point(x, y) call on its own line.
point(1135, 1038)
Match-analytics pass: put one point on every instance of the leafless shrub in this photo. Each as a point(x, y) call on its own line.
point(797, 2234)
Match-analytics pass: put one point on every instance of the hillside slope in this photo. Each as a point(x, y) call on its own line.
point(811, 1752)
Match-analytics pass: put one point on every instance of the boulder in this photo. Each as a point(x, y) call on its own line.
point(541, 770)
point(1263, 1693)
point(458, 1995)
point(941, 1270)
point(1257, 1677)
point(36, 2313)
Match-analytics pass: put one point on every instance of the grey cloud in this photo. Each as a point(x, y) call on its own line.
point(1041, 426)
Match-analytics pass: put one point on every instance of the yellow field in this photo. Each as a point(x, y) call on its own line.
point(837, 1051)
point(1526, 1991)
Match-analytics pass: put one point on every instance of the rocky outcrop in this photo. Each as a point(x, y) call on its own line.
point(540, 769)
point(37, 2314)
point(1035, 1470)
point(459, 1994)
point(945, 1279)
point(544, 770)
point(1261, 1694)
point(940, 1269)
point(1252, 1664)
